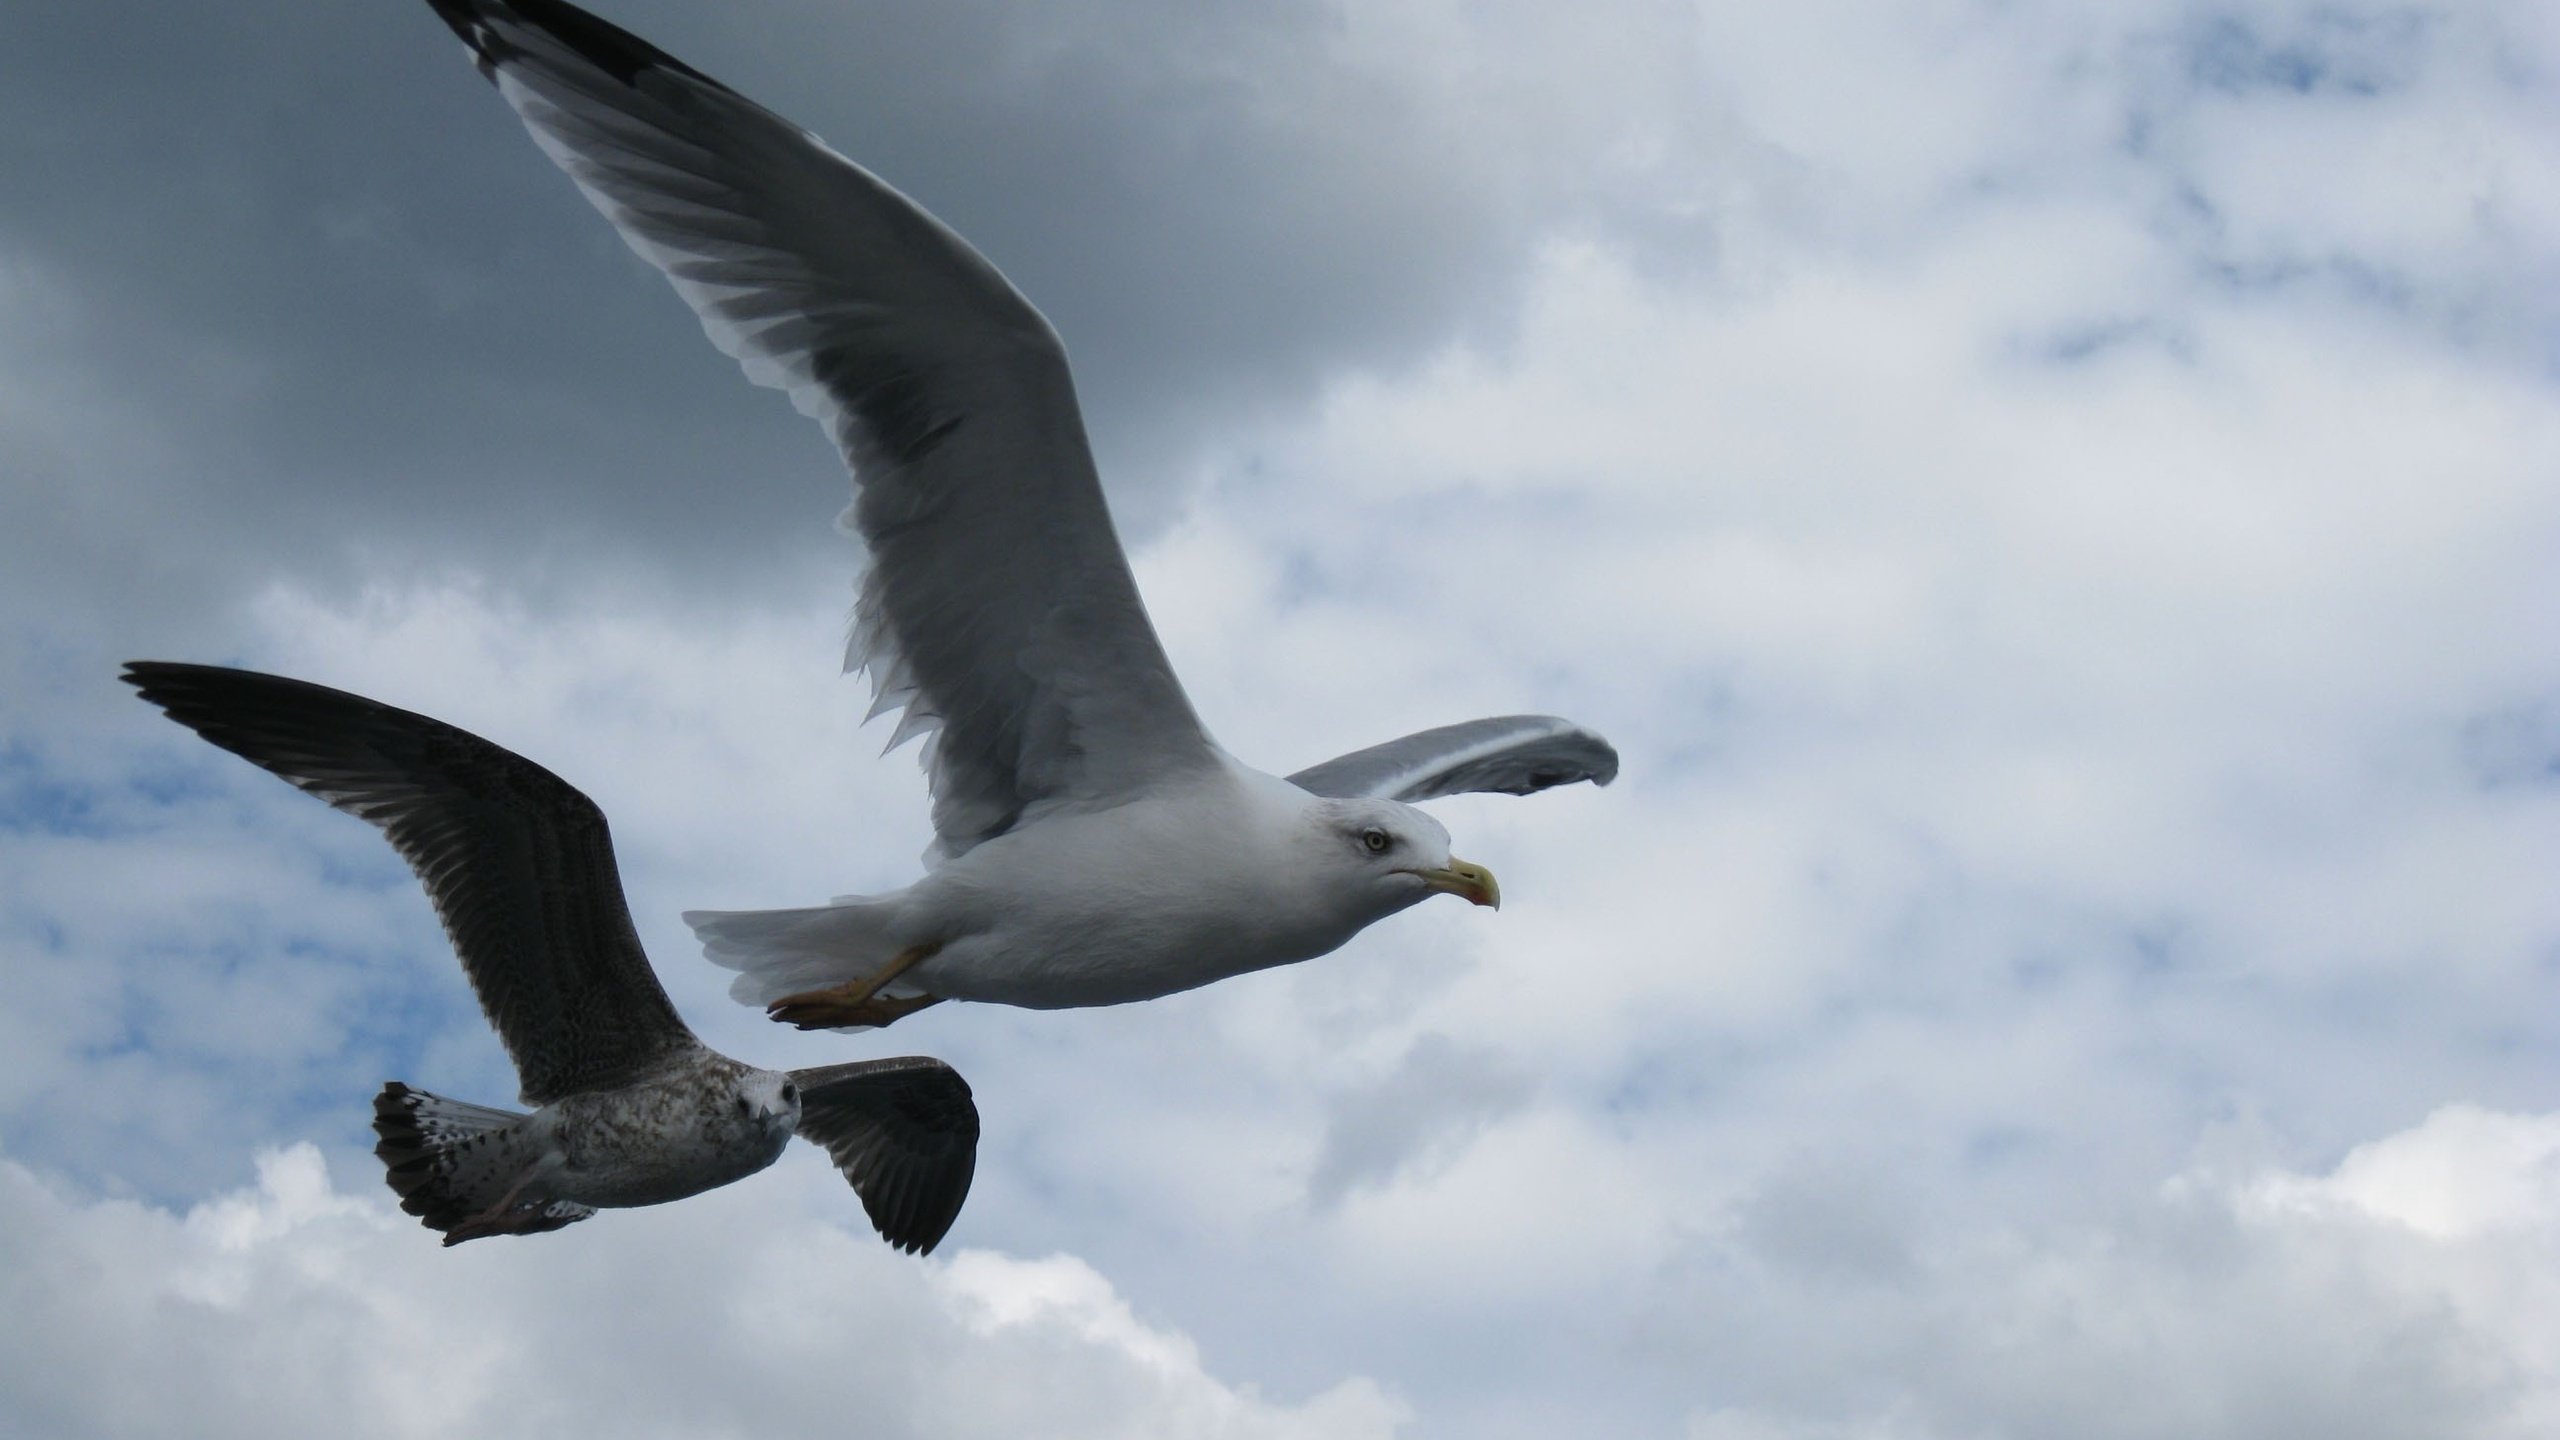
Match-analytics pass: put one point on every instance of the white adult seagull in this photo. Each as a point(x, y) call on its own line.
point(1093, 844)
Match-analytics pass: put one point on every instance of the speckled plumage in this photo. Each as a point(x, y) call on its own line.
point(618, 1143)
point(703, 1122)
point(630, 1108)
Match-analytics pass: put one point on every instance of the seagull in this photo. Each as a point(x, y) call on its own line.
point(630, 1108)
point(1093, 845)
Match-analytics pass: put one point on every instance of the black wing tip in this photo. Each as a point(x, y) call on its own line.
point(196, 695)
point(150, 675)
point(911, 1151)
point(470, 22)
point(1596, 759)
point(149, 679)
point(1603, 762)
point(919, 1234)
point(193, 675)
point(193, 694)
point(915, 1216)
point(606, 46)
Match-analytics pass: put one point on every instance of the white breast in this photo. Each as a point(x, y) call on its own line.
point(1158, 895)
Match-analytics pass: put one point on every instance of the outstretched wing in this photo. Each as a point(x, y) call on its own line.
point(998, 608)
point(905, 1132)
point(519, 864)
point(1512, 754)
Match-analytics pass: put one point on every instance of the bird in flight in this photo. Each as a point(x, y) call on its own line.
point(630, 1108)
point(1093, 845)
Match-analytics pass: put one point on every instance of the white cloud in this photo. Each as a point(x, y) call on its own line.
point(2464, 1172)
point(2240, 1301)
point(296, 1308)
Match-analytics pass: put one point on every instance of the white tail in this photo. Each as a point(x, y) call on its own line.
point(784, 952)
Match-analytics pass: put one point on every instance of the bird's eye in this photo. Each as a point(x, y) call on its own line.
point(790, 1092)
point(745, 1108)
point(1376, 840)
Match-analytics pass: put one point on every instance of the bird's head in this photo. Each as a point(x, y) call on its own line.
point(768, 1099)
point(1401, 855)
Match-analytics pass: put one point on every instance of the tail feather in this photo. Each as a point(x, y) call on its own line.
point(784, 952)
point(450, 1161)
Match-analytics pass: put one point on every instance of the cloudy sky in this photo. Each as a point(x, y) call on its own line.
point(2058, 505)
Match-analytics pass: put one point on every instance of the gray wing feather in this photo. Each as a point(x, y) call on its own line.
point(998, 608)
point(519, 864)
point(905, 1132)
point(1512, 754)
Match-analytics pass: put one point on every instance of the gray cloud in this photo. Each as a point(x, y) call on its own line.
point(1441, 1095)
point(338, 314)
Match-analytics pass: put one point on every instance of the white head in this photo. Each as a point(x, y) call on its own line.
point(1392, 855)
point(768, 1100)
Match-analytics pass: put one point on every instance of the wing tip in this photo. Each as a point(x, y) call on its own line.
point(144, 675)
point(195, 695)
point(599, 42)
point(911, 1192)
point(468, 22)
point(1599, 758)
point(1604, 761)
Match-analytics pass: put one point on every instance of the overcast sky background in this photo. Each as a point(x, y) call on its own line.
point(2058, 505)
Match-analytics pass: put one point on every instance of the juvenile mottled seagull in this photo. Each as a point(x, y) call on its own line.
point(1094, 845)
point(631, 1108)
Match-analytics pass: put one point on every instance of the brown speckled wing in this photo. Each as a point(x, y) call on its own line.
point(519, 864)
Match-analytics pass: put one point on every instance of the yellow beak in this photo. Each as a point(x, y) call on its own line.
point(1462, 878)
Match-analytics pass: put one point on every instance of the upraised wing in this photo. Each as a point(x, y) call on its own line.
point(1512, 754)
point(905, 1132)
point(519, 864)
point(998, 607)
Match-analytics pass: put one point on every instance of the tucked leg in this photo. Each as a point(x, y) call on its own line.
point(854, 1002)
point(529, 1219)
point(816, 1014)
point(836, 1015)
point(514, 1216)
